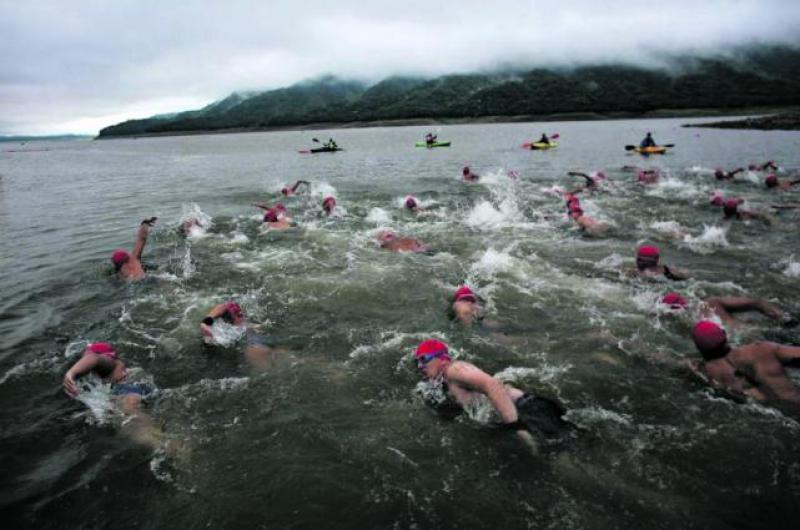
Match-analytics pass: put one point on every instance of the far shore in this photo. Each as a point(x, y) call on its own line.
point(787, 121)
point(526, 118)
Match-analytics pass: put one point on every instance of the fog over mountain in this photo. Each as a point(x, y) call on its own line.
point(76, 67)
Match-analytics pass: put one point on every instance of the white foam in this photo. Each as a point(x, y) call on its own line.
point(593, 415)
point(485, 216)
point(712, 238)
point(193, 211)
point(322, 190)
point(792, 269)
point(225, 334)
point(379, 216)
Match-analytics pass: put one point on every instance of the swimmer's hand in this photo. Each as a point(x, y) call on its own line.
point(70, 388)
point(149, 222)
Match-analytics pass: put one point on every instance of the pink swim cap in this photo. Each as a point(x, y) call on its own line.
point(771, 180)
point(101, 348)
point(731, 206)
point(270, 216)
point(717, 199)
point(286, 191)
point(465, 293)
point(120, 257)
point(465, 171)
point(647, 251)
point(710, 339)
point(328, 204)
point(386, 235)
point(674, 300)
point(432, 347)
point(411, 202)
point(234, 310)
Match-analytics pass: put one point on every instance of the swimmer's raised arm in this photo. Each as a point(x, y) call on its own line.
point(297, 184)
point(676, 273)
point(85, 364)
point(261, 205)
point(141, 237)
point(471, 376)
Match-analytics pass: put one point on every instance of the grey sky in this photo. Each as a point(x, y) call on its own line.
point(76, 66)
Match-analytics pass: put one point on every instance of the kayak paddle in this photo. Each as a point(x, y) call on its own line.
point(632, 147)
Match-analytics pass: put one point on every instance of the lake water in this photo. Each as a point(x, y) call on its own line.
point(334, 434)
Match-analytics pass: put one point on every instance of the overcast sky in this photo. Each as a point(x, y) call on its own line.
point(79, 65)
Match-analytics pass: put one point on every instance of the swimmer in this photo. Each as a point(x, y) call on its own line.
point(129, 266)
point(256, 351)
point(464, 386)
point(276, 217)
point(388, 239)
point(772, 183)
point(768, 165)
point(723, 307)
point(328, 205)
point(592, 181)
point(648, 176)
point(721, 174)
point(287, 191)
point(717, 198)
point(588, 224)
point(412, 204)
point(190, 225)
point(468, 175)
point(101, 359)
point(647, 265)
point(755, 370)
point(730, 210)
point(467, 307)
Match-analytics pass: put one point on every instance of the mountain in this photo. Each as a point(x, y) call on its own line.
point(736, 79)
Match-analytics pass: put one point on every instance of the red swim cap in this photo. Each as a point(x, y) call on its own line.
point(709, 338)
point(464, 293)
point(120, 257)
point(771, 181)
point(674, 300)
point(465, 171)
point(717, 199)
point(234, 310)
point(329, 203)
point(731, 206)
point(411, 202)
point(270, 216)
point(432, 347)
point(647, 251)
point(286, 191)
point(101, 348)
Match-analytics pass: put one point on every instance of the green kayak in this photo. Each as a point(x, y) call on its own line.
point(434, 144)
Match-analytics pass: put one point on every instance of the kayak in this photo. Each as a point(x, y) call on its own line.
point(542, 145)
point(326, 149)
point(653, 150)
point(434, 144)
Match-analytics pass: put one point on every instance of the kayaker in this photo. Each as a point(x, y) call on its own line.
point(544, 139)
point(460, 385)
point(648, 141)
point(771, 182)
point(287, 191)
point(257, 351)
point(129, 265)
point(468, 175)
point(722, 307)
point(430, 139)
point(754, 370)
point(647, 265)
point(330, 144)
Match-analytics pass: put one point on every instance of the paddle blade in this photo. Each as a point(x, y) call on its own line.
point(526, 145)
point(304, 151)
point(630, 147)
point(668, 145)
point(314, 140)
point(555, 136)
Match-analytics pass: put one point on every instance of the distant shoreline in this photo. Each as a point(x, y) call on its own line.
point(523, 118)
point(777, 122)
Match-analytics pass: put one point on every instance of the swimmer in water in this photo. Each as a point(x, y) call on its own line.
point(467, 307)
point(412, 205)
point(276, 217)
point(129, 266)
point(721, 174)
point(768, 165)
point(464, 385)
point(723, 307)
point(588, 224)
point(755, 370)
point(717, 198)
point(772, 183)
point(328, 205)
point(287, 191)
point(389, 240)
point(257, 350)
point(730, 210)
point(592, 181)
point(101, 358)
point(468, 175)
point(648, 176)
point(191, 225)
point(647, 265)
